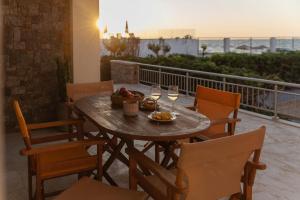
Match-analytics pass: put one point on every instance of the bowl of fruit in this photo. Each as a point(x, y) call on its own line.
point(122, 94)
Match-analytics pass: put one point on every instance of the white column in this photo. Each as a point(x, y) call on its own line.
point(86, 41)
point(226, 45)
point(273, 44)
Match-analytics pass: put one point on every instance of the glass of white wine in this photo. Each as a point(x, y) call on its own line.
point(155, 94)
point(173, 95)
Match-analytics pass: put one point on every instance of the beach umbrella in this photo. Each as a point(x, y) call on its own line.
point(243, 47)
point(260, 47)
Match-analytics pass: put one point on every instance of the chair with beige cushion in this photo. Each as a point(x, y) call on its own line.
point(88, 189)
point(208, 170)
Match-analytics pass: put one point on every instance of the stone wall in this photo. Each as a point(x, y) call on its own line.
point(36, 33)
point(124, 72)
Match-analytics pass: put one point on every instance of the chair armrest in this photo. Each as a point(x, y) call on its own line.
point(163, 174)
point(191, 108)
point(69, 104)
point(225, 121)
point(59, 147)
point(54, 124)
point(257, 165)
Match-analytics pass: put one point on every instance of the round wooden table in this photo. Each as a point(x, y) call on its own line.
point(99, 111)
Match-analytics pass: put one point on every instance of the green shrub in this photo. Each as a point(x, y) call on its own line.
point(273, 66)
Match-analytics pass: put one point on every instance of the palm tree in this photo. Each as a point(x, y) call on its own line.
point(155, 48)
point(166, 49)
point(204, 47)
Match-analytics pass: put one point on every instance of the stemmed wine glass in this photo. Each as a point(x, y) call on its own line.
point(155, 94)
point(173, 95)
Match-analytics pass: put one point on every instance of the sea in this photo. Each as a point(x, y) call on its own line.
point(247, 45)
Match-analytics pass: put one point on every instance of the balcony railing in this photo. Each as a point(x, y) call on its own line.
point(279, 99)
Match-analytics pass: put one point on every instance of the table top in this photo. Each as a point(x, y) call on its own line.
point(98, 109)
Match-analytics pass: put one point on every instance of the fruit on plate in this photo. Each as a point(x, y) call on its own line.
point(162, 116)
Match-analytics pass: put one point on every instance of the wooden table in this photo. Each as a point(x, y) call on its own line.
point(110, 120)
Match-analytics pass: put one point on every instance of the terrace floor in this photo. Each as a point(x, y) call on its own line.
point(281, 180)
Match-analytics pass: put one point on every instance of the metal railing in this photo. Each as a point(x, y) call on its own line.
point(280, 99)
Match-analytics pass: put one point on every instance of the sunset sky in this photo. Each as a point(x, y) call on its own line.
point(205, 18)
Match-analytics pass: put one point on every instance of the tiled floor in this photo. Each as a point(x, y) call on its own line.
point(281, 153)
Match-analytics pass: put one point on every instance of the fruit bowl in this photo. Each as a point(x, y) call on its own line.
point(123, 94)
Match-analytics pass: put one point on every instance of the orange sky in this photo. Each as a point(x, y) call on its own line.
point(206, 18)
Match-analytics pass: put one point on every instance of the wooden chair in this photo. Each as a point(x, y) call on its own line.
point(206, 170)
point(217, 105)
point(55, 160)
point(89, 189)
point(80, 90)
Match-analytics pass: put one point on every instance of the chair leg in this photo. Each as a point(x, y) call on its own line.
point(39, 188)
point(29, 174)
point(247, 193)
point(29, 185)
point(43, 191)
point(132, 174)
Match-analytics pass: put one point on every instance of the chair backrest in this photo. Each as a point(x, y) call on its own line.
point(80, 90)
point(22, 124)
point(213, 168)
point(217, 104)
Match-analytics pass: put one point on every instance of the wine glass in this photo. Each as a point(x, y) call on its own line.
point(155, 94)
point(173, 95)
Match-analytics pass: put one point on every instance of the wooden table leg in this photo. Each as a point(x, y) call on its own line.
point(169, 154)
point(112, 144)
point(132, 168)
point(114, 155)
point(109, 179)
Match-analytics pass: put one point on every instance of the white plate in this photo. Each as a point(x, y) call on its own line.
point(156, 120)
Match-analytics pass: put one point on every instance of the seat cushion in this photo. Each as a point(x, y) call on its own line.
point(213, 135)
point(89, 189)
point(158, 185)
point(64, 162)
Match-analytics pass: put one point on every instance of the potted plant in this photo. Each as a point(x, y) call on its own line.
point(63, 72)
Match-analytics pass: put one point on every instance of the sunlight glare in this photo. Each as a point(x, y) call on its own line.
point(98, 24)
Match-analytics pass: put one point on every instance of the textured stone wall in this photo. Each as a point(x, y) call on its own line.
point(36, 33)
point(124, 72)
